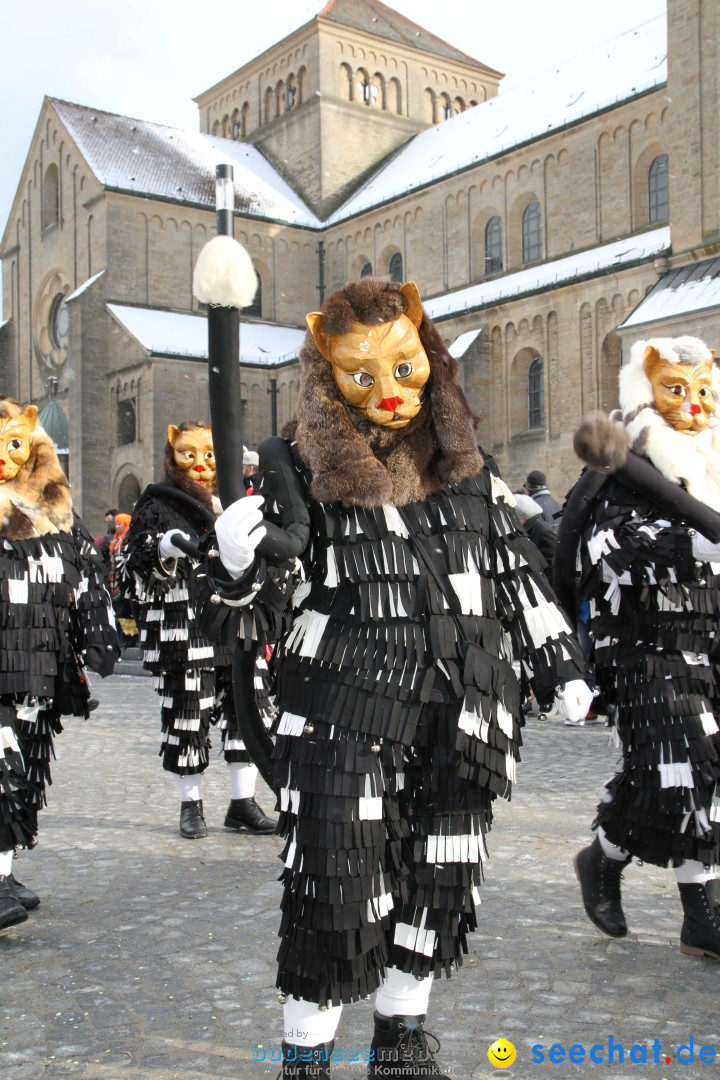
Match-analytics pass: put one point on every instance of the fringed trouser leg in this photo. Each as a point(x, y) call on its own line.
point(187, 710)
point(18, 816)
point(383, 860)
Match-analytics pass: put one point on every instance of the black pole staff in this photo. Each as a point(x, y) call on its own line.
point(226, 281)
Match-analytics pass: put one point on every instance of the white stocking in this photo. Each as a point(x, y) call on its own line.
point(243, 777)
point(189, 787)
point(306, 1025)
point(694, 873)
point(611, 850)
point(403, 995)
point(6, 858)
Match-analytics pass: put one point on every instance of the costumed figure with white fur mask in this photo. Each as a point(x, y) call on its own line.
point(400, 714)
point(192, 674)
point(644, 525)
point(56, 620)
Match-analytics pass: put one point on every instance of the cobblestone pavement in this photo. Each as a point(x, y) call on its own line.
point(152, 957)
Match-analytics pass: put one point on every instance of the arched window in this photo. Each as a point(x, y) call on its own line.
point(269, 104)
point(128, 494)
point(395, 268)
point(493, 246)
point(255, 309)
point(236, 125)
point(658, 190)
point(531, 233)
point(126, 424)
point(291, 92)
point(367, 92)
point(50, 197)
point(536, 394)
point(366, 270)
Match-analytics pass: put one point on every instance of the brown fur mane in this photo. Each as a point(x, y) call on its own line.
point(359, 463)
point(37, 501)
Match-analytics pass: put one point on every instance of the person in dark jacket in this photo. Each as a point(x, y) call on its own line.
point(410, 589)
point(56, 620)
point(536, 487)
point(192, 675)
point(543, 536)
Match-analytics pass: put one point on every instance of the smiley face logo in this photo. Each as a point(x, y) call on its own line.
point(501, 1054)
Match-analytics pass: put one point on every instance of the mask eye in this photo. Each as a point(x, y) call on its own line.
point(14, 444)
point(363, 378)
point(704, 392)
point(403, 370)
point(678, 391)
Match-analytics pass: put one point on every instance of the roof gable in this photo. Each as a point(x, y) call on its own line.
point(157, 161)
point(374, 17)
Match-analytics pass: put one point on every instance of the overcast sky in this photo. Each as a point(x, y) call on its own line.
point(148, 58)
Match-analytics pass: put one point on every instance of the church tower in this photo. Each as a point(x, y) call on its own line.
point(694, 151)
point(330, 101)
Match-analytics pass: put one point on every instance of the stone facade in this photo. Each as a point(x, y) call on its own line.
point(75, 244)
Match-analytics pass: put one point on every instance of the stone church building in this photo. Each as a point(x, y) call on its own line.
point(547, 228)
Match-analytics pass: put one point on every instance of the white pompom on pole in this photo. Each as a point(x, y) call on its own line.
point(224, 274)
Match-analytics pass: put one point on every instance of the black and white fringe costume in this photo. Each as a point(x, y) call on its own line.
point(654, 616)
point(56, 618)
point(192, 675)
point(395, 736)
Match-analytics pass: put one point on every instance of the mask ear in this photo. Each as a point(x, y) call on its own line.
point(30, 414)
point(651, 361)
point(173, 433)
point(321, 339)
point(414, 303)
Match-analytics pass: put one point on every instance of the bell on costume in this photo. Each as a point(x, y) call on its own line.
point(192, 820)
point(244, 815)
point(700, 933)
point(401, 1051)
point(599, 878)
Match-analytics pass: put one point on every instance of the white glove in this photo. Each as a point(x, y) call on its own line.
point(704, 549)
point(166, 548)
point(575, 701)
point(239, 530)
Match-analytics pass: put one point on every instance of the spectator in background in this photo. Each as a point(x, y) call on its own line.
point(536, 487)
point(127, 630)
point(250, 467)
point(103, 544)
point(542, 535)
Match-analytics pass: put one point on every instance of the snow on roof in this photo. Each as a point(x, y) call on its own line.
point(169, 333)
point(85, 285)
point(462, 343)
point(615, 71)
point(561, 271)
point(689, 289)
point(164, 162)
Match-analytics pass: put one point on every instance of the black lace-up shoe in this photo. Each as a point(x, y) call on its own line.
point(192, 822)
point(244, 815)
point(11, 910)
point(700, 933)
point(22, 894)
point(401, 1050)
point(599, 879)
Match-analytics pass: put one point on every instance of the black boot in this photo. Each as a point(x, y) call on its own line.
point(11, 910)
point(192, 822)
point(400, 1049)
point(306, 1062)
point(22, 894)
point(244, 815)
point(700, 933)
point(599, 879)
